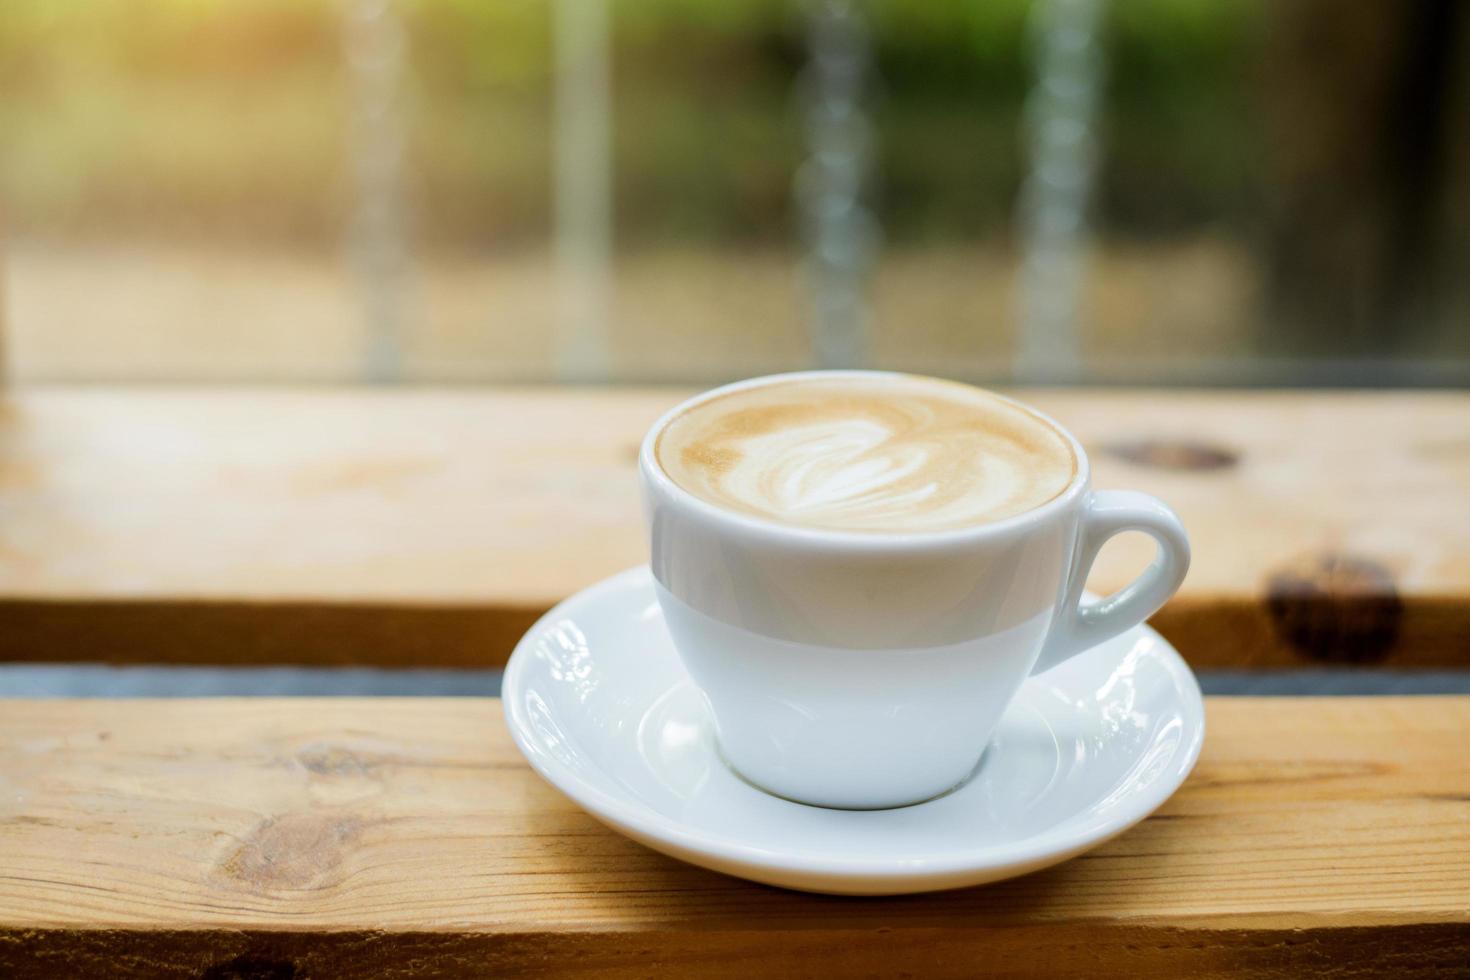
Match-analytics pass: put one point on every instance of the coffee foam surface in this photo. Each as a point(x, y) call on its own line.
point(894, 453)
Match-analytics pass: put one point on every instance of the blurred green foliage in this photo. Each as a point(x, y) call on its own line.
point(229, 118)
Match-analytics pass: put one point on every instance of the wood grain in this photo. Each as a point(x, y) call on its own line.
point(431, 527)
point(348, 837)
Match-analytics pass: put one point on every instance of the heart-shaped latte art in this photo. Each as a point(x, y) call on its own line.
point(850, 466)
point(893, 456)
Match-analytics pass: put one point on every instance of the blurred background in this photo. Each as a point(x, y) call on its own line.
point(462, 191)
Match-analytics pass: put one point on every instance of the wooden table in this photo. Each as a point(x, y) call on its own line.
point(277, 838)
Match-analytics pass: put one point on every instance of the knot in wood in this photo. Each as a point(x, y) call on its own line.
point(1174, 454)
point(1336, 609)
point(294, 850)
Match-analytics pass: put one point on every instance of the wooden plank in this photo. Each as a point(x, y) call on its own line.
point(430, 527)
point(361, 837)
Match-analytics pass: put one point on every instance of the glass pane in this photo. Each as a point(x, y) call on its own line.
point(1180, 191)
point(173, 191)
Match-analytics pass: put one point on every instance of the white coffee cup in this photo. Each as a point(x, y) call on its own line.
point(861, 670)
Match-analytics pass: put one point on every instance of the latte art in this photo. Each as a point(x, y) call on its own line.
point(867, 453)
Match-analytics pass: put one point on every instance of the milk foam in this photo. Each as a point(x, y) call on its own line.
point(884, 453)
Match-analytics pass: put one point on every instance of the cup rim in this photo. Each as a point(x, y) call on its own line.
point(882, 540)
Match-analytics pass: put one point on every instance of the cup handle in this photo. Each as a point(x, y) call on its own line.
point(1108, 512)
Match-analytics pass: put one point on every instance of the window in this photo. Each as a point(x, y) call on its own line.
point(1181, 191)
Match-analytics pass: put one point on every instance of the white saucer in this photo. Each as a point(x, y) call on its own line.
point(597, 700)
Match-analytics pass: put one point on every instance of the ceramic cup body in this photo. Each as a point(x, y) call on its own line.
point(866, 670)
